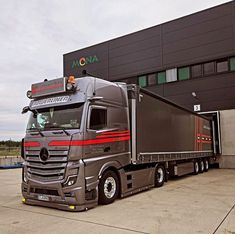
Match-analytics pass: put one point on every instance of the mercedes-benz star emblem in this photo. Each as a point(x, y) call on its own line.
point(44, 155)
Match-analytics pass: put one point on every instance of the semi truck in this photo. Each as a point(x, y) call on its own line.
point(90, 141)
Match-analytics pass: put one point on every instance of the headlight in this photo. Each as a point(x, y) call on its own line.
point(24, 177)
point(29, 94)
point(69, 86)
point(70, 181)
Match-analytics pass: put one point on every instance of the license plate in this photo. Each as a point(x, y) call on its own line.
point(43, 198)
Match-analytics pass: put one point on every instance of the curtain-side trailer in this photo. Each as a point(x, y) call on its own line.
point(90, 141)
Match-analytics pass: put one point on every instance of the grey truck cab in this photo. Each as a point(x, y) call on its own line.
point(77, 139)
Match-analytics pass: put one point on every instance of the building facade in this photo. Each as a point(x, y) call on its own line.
point(190, 60)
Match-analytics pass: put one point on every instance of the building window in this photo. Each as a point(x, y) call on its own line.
point(152, 79)
point(161, 77)
point(142, 81)
point(232, 64)
point(209, 68)
point(171, 75)
point(184, 73)
point(222, 66)
point(196, 70)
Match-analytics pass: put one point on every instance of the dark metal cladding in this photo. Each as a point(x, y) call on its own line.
point(195, 39)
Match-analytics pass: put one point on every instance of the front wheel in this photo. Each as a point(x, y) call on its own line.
point(108, 188)
point(160, 175)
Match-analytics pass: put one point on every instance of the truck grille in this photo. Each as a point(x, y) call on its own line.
point(52, 169)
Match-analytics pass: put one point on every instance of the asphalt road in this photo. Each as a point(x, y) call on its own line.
point(193, 204)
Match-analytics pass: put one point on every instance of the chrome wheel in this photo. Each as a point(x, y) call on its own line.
point(160, 175)
point(201, 166)
point(196, 168)
point(206, 165)
point(110, 187)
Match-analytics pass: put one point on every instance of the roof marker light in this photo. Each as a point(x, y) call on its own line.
point(71, 84)
point(71, 80)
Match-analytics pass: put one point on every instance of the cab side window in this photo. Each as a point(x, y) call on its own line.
point(98, 119)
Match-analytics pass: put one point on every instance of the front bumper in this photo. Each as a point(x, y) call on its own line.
point(59, 206)
point(70, 199)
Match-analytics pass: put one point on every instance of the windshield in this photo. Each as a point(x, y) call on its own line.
point(61, 117)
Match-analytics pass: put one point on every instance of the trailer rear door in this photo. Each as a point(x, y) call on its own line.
point(215, 117)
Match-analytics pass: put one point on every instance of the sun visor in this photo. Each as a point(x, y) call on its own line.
point(49, 87)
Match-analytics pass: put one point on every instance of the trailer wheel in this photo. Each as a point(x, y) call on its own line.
point(201, 166)
point(160, 174)
point(108, 188)
point(196, 168)
point(206, 165)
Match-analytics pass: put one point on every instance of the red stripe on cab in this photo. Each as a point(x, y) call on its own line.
point(114, 135)
point(31, 144)
point(115, 132)
point(88, 142)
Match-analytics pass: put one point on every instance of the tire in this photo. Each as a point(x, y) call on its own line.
point(201, 166)
point(206, 165)
point(108, 187)
point(196, 168)
point(160, 175)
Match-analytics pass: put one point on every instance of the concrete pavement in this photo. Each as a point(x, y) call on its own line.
point(191, 204)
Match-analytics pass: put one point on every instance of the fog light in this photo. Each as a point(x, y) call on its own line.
point(70, 181)
point(23, 200)
point(71, 207)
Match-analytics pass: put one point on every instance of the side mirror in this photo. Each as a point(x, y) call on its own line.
point(25, 110)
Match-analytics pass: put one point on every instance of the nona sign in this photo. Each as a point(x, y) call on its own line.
point(84, 61)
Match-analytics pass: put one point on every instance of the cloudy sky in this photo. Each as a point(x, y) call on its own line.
point(34, 34)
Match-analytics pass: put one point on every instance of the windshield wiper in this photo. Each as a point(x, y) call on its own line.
point(59, 128)
point(67, 133)
point(38, 130)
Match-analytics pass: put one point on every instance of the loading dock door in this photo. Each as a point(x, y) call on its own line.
point(215, 117)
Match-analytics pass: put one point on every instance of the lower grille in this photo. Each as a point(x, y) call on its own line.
point(44, 191)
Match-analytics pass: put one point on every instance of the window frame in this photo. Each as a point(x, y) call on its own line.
point(163, 72)
point(91, 107)
point(222, 61)
point(192, 75)
point(211, 73)
point(146, 81)
point(181, 68)
point(155, 77)
point(172, 71)
point(230, 64)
